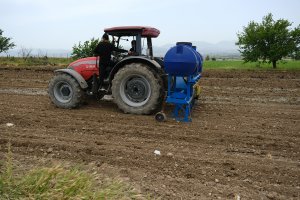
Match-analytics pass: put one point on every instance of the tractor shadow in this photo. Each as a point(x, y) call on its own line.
point(106, 103)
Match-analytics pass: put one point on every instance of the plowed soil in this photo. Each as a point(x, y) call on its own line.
point(243, 142)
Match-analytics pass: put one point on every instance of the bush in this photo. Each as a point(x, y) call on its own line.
point(207, 58)
point(84, 50)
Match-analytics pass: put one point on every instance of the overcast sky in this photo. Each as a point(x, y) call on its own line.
point(59, 24)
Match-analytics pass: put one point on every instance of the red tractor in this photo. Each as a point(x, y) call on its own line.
point(135, 82)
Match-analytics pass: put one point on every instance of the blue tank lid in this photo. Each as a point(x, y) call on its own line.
point(185, 43)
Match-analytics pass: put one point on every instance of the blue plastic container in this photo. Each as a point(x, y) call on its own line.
point(200, 59)
point(183, 60)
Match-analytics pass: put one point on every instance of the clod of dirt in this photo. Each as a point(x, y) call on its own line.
point(156, 152)
point(272, 195)
point(237, 197)
point(9, 124)
point(169, 154)
point(50, 150)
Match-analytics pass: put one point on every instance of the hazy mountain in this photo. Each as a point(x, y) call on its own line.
point(220, 49)
point(224, 48)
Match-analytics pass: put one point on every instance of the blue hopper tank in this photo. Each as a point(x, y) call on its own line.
point(183, 60)
point(183, 64)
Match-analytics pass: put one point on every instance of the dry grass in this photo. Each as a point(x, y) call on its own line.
point(60, 182)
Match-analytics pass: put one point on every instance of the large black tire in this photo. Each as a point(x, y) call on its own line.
point(137, 89)
point(65, 91)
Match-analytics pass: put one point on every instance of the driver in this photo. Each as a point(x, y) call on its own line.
point(132, 50)
point(104, 49)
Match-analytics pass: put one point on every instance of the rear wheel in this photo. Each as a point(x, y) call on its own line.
point(65, 92)
point(137, 89)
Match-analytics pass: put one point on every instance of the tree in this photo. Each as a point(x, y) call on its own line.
point(5, 43)
point(207, 58)
point(85, 50)
point(269, 41)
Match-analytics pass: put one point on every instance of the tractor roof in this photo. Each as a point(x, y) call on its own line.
point(145, 31)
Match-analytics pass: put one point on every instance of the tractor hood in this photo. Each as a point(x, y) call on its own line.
point(85, 66)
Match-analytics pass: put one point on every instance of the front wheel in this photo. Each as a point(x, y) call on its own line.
point(137, 89)
point(65, 92)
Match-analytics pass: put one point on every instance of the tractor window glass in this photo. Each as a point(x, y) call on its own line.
point(144, 46)
point(125, 43)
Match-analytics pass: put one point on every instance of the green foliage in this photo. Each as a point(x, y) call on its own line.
point(296, 36)
point(268, 41)
point(240, 65)
point(56, 183)
point(5, 43)
point(7, 182)
point(85, 50)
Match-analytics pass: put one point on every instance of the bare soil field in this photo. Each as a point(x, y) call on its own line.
point(243, 142)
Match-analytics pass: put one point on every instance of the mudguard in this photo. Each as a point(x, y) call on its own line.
point(152, 63)
point(146, 59)
point(83, 84)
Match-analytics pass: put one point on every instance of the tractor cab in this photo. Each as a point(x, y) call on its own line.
point(123, 35)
